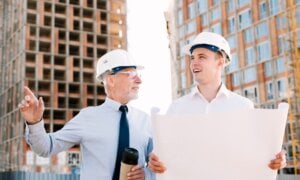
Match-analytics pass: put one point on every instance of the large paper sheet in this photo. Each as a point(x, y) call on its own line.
point(219, 146)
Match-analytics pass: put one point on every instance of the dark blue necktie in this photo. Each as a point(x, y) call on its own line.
point(123, 140)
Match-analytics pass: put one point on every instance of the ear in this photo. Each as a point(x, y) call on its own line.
point(220, 59)
point(221, 62)
point(110, 80)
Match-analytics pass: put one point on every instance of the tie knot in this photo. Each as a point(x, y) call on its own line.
point(123, 109)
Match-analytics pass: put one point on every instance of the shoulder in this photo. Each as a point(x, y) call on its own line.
point(177, 103)
point(90, 109)
point(243, 101)
point(89, 112)
point(184, 98)
point(138, 113)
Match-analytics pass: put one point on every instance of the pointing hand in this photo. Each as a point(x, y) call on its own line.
point(31, 108)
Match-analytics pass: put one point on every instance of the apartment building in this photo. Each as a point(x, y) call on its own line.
point(52, 46)
point(264, 36)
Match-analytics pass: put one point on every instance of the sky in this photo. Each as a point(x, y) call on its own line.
point(148, 44)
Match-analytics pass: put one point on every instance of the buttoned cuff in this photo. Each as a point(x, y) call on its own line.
point(36, 128)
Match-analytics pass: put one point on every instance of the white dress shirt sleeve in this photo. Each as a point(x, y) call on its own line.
point(149, 175)
point(47, 144)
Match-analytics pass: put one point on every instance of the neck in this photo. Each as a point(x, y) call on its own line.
point(119, 99)
point(210, 90)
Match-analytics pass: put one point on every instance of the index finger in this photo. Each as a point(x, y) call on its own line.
point(153, 156)
point(136, 167)
point(281, 155)
point(28, 92)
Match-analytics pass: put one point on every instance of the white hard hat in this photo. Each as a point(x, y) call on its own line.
point(114, 61)
point(211, 41)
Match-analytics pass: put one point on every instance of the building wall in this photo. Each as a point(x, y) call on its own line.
point(52, 47)
point(12, 40)
point(175, 68)
point(261, 39)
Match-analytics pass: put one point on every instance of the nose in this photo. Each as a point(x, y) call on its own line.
point(138, 79)
point(194, 63)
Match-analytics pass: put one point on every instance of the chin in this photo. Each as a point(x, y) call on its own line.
point(198, 80)
point(133, 96)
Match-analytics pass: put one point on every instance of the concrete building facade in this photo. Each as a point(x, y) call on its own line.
point(264, 36)
point(52, 46)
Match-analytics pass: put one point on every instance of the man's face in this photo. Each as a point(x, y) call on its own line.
point(206, 65)
point(126, 84)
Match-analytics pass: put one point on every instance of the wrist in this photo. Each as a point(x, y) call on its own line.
point(35, 122)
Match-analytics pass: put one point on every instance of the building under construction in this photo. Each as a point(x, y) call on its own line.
point(52, 46)
point(264, 36)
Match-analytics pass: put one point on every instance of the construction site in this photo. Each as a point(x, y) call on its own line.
point(52, 47)
point(264, 36)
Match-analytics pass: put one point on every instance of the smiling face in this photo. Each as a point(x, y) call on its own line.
point(123, 86)
point(206, 66)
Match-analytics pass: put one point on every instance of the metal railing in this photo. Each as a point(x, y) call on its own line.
point(288, 177)
point(21, 175)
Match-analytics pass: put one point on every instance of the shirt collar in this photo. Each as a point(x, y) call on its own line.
point(222, 91)
point(115, 105)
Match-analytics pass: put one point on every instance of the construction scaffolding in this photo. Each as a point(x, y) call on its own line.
point(292, 60)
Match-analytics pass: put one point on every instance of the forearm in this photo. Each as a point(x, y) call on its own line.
point(38, 139)
point(52, 143)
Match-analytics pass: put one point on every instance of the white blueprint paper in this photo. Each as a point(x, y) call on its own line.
point(219, 146)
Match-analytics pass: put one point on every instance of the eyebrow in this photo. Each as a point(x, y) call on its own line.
point(200, 54)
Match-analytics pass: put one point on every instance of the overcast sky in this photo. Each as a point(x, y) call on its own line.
point(148, 44)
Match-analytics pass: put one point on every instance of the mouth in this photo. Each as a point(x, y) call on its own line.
point(136, 88)
point(196, 70)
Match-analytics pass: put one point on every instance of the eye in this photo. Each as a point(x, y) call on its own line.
point(201, 57)
point(132, 74)
point(135, 74)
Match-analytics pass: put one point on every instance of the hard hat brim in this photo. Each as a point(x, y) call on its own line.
point(188, 49)
point(100, 77)
point(120, 68)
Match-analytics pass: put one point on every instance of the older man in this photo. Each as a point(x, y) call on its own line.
point(104, 131)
